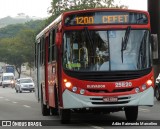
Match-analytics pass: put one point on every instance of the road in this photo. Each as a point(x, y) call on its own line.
point(24, 106)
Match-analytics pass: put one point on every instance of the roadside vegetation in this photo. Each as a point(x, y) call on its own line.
point(17, 41)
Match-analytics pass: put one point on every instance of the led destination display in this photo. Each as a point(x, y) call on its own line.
point(91, 18)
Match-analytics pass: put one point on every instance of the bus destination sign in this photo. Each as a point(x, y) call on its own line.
point(106, 18)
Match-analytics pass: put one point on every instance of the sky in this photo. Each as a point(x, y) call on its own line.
point(134, 4)
point(38, 8)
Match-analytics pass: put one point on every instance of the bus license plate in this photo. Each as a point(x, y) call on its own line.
point(110, 99)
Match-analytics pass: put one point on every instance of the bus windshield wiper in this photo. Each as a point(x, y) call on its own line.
point(125, 41)
point(142, 50)
point(90, 40)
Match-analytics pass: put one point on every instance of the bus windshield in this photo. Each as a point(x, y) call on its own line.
point(109, 50)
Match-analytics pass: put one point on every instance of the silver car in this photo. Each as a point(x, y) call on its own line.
point(157, 88)
point(24, 84)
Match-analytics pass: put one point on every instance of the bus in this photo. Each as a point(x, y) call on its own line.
point(96, 60)
point(9, 69)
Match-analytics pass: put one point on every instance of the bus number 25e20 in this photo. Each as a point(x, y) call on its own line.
point(123, 84)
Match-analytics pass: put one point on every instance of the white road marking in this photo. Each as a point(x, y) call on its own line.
point(14, 102)
point(26, 106)
point(96, 127)
point(144, 110)
point(1, 97)
point(7, 99)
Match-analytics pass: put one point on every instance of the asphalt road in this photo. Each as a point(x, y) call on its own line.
point(24, 106)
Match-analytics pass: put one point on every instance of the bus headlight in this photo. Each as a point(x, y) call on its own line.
point(137, 90)
point(149, 82)
point(74, 89)
point(144, 87)
point(82, 91)
point(68, 84)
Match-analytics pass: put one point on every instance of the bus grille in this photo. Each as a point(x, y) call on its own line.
point(106, 91)
point(124, 102)
point(103, 76)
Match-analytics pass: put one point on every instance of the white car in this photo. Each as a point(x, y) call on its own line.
point(8, 79)
point(24, 84)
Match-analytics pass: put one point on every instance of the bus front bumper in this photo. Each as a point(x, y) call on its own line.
point(75, 101)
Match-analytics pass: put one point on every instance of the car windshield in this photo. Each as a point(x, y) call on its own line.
point(110, 50)
point(8, 78)
point(26, 81)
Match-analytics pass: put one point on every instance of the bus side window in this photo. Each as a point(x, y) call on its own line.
point(50, 47)
point(53, 46)
point(42, 45)
point(41, 52)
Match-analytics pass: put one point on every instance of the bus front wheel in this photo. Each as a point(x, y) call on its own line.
point(131, 113)
point(65, 115)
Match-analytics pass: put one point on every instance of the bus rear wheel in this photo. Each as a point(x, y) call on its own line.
point(131, 113)
point(65, 115)
point(54, 111)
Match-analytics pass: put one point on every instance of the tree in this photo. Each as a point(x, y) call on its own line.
point(11, 52)
point(11, 30)
point(26, 40)
point(60, 6)
point(17, 47)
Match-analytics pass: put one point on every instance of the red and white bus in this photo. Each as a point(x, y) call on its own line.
point(95, 60)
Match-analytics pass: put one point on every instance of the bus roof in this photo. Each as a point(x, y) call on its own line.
point(56, 21)
point(59, 18)
point(103, 9)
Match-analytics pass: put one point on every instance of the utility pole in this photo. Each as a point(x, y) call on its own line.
point(154, 11)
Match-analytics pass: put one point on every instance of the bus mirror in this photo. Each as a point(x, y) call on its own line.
point(154, 44)
point(58, 38)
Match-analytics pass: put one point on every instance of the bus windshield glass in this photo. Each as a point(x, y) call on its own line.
point(86, 50)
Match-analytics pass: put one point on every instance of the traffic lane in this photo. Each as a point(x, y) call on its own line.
point(24, 106)
point(19, 106)
point(144, 112)
point(10, 93)
point(29, 100)
point(99, 121)
point(52, 127)
point(10, 110)
point(150, 113)
point(81, 122)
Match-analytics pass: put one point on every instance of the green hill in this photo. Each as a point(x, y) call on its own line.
point(15, 20)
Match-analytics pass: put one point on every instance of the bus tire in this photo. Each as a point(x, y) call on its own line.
point(131, 113)
point(44, 109)
point(54, 111)
point(65, 115)
point(157, 93)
